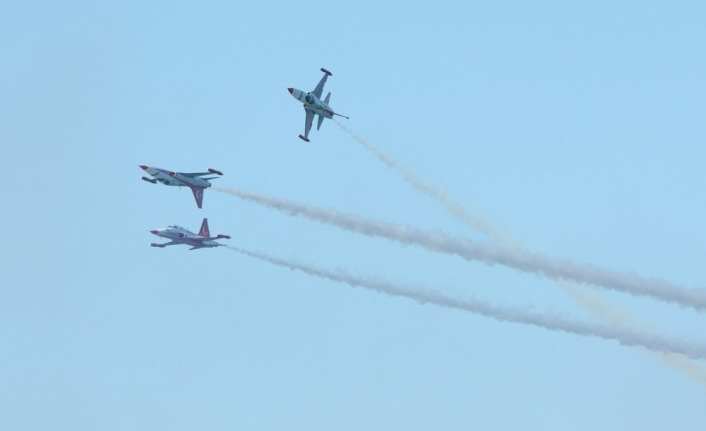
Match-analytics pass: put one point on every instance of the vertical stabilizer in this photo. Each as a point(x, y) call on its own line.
point(321, 120)
point(328, 97)
point(204, 229)
point(198, 195)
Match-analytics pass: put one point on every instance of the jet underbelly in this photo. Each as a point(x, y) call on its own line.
point(318, 110)
point(192, 181)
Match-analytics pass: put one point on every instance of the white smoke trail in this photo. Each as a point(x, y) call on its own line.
point(520, 259)
point(588, 300)
point(547, 321)
point(694, 371)
point(455, 208)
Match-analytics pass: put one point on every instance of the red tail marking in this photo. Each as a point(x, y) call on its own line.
point(204, 229)
point(198, 195)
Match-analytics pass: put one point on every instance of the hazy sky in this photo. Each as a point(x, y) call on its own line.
point(576, 130)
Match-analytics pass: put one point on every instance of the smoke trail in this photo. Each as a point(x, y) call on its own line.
point(455, 208)
point(547, 321)
point(694, 371)
point(588, 300)
point(520, 259)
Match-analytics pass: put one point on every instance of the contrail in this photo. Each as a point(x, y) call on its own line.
point(547, 321)
point(455, 208)
point(591, 301)
point(694, 371)
point(607, 313)
point(519, 259)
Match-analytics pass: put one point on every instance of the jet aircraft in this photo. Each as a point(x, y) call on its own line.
point(179, 235)
point(191, 180)
point(313, 105)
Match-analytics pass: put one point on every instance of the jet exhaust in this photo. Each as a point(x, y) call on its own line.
point(551, 322)
point(519, 259)
point(453, 207)
point(589, 300)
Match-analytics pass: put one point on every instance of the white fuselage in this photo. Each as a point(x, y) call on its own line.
point(169, 178)
point(184, 236)
point(313, 103)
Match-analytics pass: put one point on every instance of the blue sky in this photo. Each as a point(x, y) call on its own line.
point(577, 128)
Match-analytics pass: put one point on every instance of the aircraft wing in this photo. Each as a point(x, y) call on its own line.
point(320, 88)
point(309, 120)
point(209, 171)
point(213, 238)
point(172, 242)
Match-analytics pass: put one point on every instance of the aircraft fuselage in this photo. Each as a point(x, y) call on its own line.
point(183, 236)
point(170, 178)
point(313, 103)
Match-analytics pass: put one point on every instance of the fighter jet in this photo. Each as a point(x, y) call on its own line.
point(313, 105)
point(179, 235)
point(192, 180)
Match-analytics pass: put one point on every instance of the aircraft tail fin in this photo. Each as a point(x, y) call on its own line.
point(198, 195)
point(204, 229)
point(321, 120)
point(328, 97)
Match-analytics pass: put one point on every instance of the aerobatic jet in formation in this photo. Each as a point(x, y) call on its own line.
point(179, 235)
point(313, 105)
point(194, 180)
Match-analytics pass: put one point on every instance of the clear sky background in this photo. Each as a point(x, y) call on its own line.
point(577, 128)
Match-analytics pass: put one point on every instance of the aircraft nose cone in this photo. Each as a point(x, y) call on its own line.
point(154, 231)
point(291, 90)
point(144, 167)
